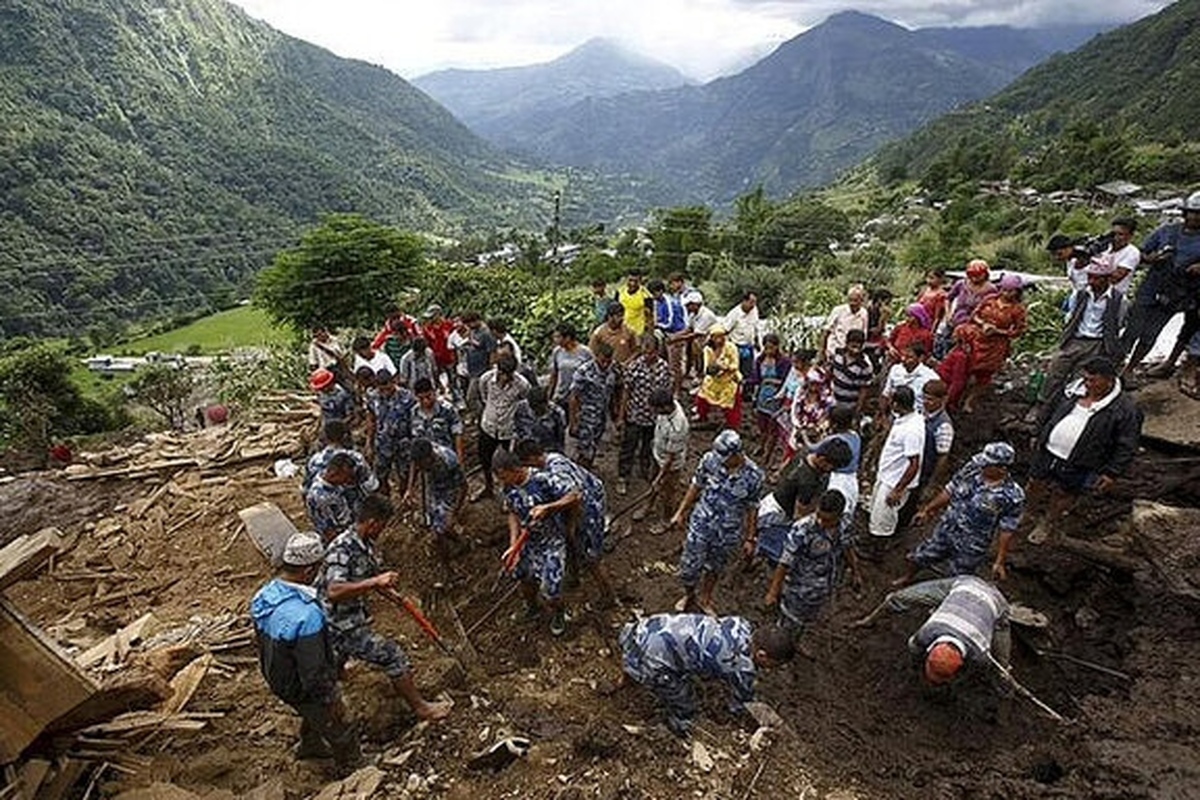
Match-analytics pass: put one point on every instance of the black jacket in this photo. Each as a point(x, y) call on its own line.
point(293, 644)
point(1109, 440)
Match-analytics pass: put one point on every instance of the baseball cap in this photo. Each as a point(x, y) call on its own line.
point(727, 443)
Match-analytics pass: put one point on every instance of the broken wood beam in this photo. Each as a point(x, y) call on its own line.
point(26, 554)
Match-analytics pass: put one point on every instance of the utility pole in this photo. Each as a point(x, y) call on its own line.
point(554, 238)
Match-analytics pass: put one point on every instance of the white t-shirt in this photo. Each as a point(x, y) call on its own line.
point(1128, 257)
point(1077, 273)
point(743, 326)
point(905, 440)
point(671, 437)
point(703, 320)
point(898, 375)
point(379, 362)
point(456, 342)
point(840, 322)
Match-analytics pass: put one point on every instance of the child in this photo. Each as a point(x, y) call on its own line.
point(771, 370)
point(810, 410)
point(792, 388)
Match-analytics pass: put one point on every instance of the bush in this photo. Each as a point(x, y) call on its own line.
point(730, 283)
point(505, 292)
point(240, 378)
point(533, 328)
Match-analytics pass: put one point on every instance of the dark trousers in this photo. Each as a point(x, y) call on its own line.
point(326, 724)
point(636, 443)
point(488, 446)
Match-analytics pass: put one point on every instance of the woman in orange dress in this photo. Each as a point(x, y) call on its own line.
point(995, 323)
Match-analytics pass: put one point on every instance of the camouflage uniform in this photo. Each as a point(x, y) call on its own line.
point(393, 414)
point(814, 560)
point(330, 507)
point(337, 404)
point(443, 481)
point(715, 525)
point(351, 559)
point(364, 477)
point(442, 425)
point(549, 429)
point(662, 652)
point(544, 557)
point(591, 520)
point(976, 512)
point(594, 387)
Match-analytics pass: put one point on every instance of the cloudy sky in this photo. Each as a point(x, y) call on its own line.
point(700, 37)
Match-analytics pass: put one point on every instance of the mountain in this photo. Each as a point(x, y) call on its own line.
point(488, 100)
point(1125, 105)
point(816, 105)
point(157, 153)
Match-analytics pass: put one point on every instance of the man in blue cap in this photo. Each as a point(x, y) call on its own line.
point(721, 507)
point(981, 502)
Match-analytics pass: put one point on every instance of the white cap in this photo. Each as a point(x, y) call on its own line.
point(692, 296)
point(303, 550)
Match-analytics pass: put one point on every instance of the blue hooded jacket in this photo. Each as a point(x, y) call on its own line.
point(293, 643)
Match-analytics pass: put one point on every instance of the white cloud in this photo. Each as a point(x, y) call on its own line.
point(700, 37)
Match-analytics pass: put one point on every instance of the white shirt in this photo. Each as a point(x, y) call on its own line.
point(379, 362)
point(671, 437)
point(1077, 274)
point(905, 440)
point(702, 320)
point(1091, 322)
point(1065, 435)
point(456, 341)
point(898, 375)
point(841, 321)
point(743, 326)
point(1128, 257)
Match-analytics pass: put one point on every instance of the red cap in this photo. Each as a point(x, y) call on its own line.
point(320, 379)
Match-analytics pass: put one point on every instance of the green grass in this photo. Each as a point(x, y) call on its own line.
point(244, 326)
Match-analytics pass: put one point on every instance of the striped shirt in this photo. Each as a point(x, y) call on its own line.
point(849, 376)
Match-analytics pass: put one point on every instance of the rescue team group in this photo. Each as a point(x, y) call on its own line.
point(659, 362)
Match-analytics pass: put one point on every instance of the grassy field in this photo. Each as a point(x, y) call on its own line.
point(244, 326)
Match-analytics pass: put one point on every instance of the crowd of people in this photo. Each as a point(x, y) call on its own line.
point(811, 438)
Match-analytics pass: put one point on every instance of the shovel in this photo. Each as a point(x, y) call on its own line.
point(422, 621)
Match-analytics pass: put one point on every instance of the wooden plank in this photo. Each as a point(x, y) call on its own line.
point(38, 683)
point(26, 554)
point(185, 683)
point(68, 771)
point(32, 773)
point(115, 647)
point(269, 529)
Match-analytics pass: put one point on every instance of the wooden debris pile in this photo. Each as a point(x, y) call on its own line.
point(216, 447)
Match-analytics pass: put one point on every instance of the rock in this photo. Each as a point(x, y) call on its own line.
point(359, 786)
point(158, 791)
point(700, 756)
point(500, 754)
point(765, 716)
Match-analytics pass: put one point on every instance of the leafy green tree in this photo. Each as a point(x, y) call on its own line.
point(677, 233)
point(342, 274)
point(38, 401)
point(165, 390)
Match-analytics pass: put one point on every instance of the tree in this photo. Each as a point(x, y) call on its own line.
point(165, 390)
point(677, 233)
point(342, 274)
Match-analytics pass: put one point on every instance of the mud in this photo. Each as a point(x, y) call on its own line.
point(863, 724)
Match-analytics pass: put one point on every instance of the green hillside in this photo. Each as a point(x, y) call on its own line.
point(157, 153)
point(1126, 105)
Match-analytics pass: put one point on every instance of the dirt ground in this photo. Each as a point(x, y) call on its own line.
point(863, 724)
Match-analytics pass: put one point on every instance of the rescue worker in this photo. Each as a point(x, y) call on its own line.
point(586, 528)
point(539, 502)
point(436, 419)
point(665, 651)
point(982, 503)
point(795, 496)
point(331, 499)
point(352, 571)
point(336, 435)
point(443, 489)
point(810, 565)
point(296, 656)
point(590, 403)
point(389, 418)
point(539, 420)
point(721, 507)
point(334, 401)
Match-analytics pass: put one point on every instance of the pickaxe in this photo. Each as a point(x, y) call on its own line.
point(422, 621)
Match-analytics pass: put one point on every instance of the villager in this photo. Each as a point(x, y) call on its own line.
point(851, 315)
point(721, 386)
point(295, 654)
point(997, 322)
point(640, 378)
point(500, 390)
